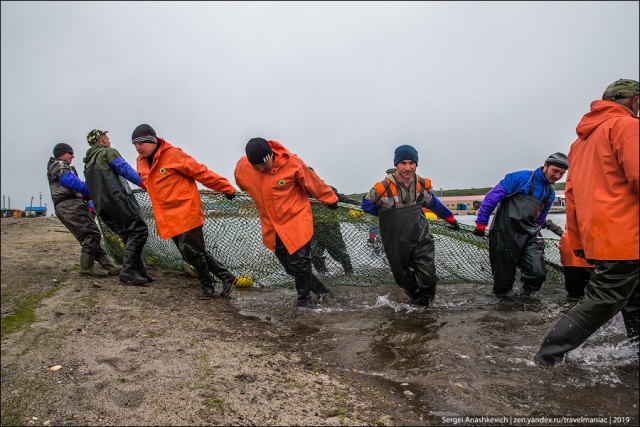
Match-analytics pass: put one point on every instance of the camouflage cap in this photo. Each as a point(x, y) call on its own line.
point(623, 88)
point(94, 135)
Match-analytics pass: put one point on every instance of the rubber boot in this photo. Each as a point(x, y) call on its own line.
point(304, 284)
point(324, 294)
point(319, 264)
point(348, 268)
point(208, 291)
point(563, 337)
point(227, 287)
point(86, 266)
point(631, 317)
point(142, 270)
point(130, 275)
point(222, 273)
point(108, 264)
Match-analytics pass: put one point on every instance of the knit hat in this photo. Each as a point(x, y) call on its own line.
point(144, 133)
point(558, 159)
point(258, 151)
point(405, 152)
point(623, 88)
point(61, 149)
point(94, 135)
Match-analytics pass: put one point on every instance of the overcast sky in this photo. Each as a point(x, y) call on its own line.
point(479, 88)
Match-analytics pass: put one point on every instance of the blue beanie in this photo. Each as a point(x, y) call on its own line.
point(405, 152)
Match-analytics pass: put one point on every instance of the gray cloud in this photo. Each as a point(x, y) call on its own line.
point(479, 88)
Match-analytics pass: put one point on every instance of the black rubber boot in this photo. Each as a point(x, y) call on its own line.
point(108, 264)
point(423, 300)
point(319, 264)
point(130, 275)
point(324, 294)
point(208, 291)
point(631, 317)
point(86, 266)
point(348, 268)
point(304, 285)
point(565, 336)
point(142, 270)
point(227, 287)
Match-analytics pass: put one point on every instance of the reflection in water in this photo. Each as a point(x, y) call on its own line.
point(468, 354)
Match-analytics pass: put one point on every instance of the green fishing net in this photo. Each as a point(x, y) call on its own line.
point(233, 235)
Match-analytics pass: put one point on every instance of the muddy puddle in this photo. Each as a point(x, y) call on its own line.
point(467, 355)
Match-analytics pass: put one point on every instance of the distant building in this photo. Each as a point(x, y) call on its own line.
point(470, 204)
point(35, 211)
point(15, 213)
point(462, 203)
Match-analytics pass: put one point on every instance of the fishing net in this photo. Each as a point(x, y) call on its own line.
point(233, 235)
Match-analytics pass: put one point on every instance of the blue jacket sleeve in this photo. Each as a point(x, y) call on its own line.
point(436, 206)
point(490, 202)
point(71, 181)
point(369, 207)
point(122, 168)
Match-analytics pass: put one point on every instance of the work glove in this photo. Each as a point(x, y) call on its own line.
point(230, 196)
point(580, 254)
point(454, 225)
point(91, 207)
point(553, 227)
point(333, 206)
point(479, 231)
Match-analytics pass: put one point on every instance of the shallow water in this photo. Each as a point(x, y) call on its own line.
point(467, 355)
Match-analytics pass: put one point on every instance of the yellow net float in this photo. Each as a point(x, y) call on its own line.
point(430, 215)
point(244, 282)
point(354, 213)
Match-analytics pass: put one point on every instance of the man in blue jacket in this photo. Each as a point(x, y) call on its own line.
point(106, 174)
point(398, 200)
point(523, 199)
point(73, 207)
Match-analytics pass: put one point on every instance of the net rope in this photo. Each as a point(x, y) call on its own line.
point(233, 235)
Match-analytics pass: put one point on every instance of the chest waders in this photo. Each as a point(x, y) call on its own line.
point(514, 242)
point(118, 208)
point(410, 249)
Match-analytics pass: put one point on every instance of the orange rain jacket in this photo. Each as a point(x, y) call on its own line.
point(567, 257)
point(602, 184)
point(281, 197)
point(171, 184)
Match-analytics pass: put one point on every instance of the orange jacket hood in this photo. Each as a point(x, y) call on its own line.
point(602, 184)
point(281, 197)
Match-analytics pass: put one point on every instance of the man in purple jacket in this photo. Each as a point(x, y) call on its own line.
point(523, 200)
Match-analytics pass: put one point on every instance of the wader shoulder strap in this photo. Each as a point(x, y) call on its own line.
point(387, 188)
point(420, 185)
point(530, 192)
point(547, 197)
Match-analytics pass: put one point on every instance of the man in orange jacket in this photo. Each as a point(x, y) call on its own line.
point(169, 175)
point(278, 181)
point(577, 271)
point(602, 219)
